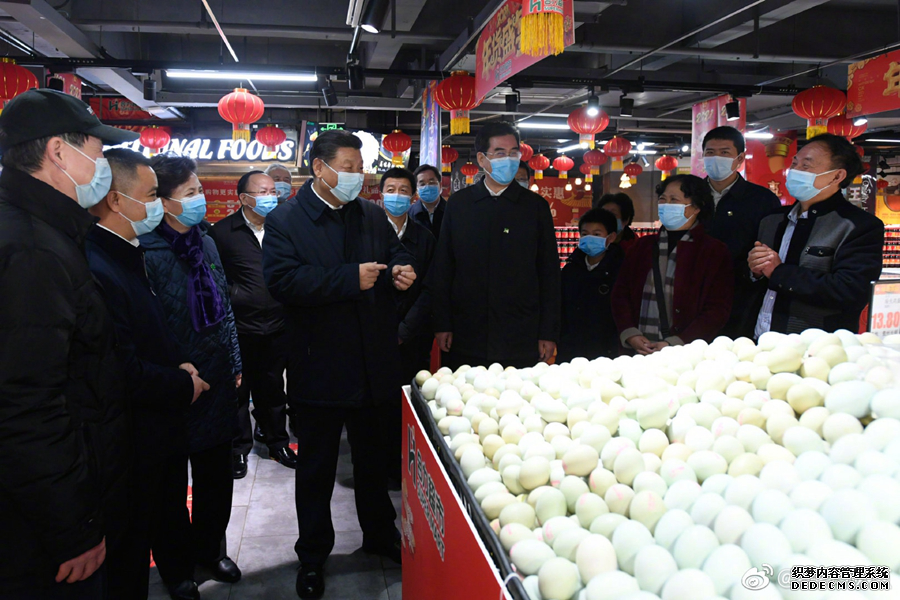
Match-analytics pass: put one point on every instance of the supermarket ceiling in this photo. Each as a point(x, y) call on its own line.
point(665, 55)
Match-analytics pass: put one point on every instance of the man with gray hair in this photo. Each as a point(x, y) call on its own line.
point(281, 175)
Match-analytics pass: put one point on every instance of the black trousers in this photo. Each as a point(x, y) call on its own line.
point(264, 358)
point(415, 355)
point(93, 588)
point(160, 489)
point(319, 440)
point(455, 360)
point(181, 540)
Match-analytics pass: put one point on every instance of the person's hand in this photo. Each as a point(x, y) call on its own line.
point(238, 380)
point(444, 340)
point(200, 386)
point(759, 257)
point(546, 349)
point(191, 369)
point(657, 346)
point(771, 264)
point(82, 567)
point(368, 274)
point(403, 275)
point(641, 344)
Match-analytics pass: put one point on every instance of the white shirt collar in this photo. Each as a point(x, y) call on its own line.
point(400, 232)
point(133, 242)
point(590, 267)
point(490, 191)
point(795, 214)
point(327, 203)
point(719, 195)
point(253, 226)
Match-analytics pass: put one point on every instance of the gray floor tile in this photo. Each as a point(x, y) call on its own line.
point(243, 487)
point(271, 509)
point(268, 469)
point(394, 582)
point(235, 530)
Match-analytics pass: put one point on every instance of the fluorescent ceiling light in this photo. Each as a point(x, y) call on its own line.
point(561, 140)
point(643, 151)
point(240, 75)
point(860, 121)
point(572, 147)
point(533, 125)
point(758, 135)
point(685, 148)
point(886, 141)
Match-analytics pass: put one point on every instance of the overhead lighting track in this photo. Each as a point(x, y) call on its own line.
point(228, 75)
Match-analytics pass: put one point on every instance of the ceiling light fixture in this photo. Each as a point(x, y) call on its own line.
point(568, 187)
point(373, 15)
point(240, 75)
point(860, 121)
point(884, 141)
point(685, 148)
point(533, 125)
point(759, 135)
point(572, 147)
point(587, 187)
point(534, 187)
point(593, 104)
point(732, 110)
point(328, 94)
point(626, 106)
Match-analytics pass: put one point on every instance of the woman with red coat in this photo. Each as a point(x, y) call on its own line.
point(687, 294)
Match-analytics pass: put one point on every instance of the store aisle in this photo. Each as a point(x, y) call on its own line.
point(262, 533)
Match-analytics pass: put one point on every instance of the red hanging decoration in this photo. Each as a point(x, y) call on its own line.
point(596, 159)
point(397, 143)
point(844, 127)
point(14, 80)
point(241, 109)
point(817, 105)
point(448, 157)
point(587, 126)
point(457, 94)
point(617, 148)
point(470, 171)
point(633, 170)
point(526, 151)
point(666, 164)
point(563, 164)
point(154, 138)
point(542, 30)
point(882, 184)
point(271, 137)
point(539, 163)
point(586, 171)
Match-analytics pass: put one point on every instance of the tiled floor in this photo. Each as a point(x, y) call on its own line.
point(262, 533)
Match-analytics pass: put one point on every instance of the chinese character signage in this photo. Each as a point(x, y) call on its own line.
point(430, 141)
point(873, 85)
point(708, 115)
point(221, 198)
point(884, 312)
point(566, 206)
point(497, 56)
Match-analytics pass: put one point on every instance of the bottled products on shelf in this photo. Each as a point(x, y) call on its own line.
point(566, 242)
point(891, 258)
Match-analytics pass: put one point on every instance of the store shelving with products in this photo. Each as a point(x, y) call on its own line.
point(566, 242)
point(891, 258)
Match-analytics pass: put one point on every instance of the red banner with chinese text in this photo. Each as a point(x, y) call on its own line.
point(873, 85)
point(71, 84)
point(566, 206)
point(498, 56)
point(708, 115)
point(221, 198)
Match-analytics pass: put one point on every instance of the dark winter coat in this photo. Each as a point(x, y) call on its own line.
point(736, 224)
point(158, 392)
point(212, 419)
point(416, 331)
point(344, 351)
point(64, 439)
point(834, 257)
point(255, 311)
point(495, 278)
point(588, 327)
point(420, 215)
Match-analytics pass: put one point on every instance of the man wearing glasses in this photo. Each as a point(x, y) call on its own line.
point(496, 278)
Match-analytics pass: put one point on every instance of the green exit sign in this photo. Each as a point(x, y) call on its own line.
point(330, 126)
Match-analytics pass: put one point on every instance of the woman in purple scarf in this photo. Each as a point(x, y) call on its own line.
point(186, 274)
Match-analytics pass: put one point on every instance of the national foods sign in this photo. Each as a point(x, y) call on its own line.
point(226, 149)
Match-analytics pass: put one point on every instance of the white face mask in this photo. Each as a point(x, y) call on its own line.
point(91, 193)
point(348, 187)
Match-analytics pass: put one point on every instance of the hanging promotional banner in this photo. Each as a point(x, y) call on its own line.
point(566, 206)
point(221, 198)
point(708, 115)
point(887, 205)
point(430, 140)
point(767, 163)
point(873, 85)
point(498, 57)
point(71, 84)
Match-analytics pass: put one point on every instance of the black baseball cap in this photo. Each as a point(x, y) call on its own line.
point(43, 113)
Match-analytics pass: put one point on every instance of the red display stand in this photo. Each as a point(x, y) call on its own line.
point(444, 557)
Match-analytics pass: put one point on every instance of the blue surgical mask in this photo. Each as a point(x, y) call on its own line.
point(619, 225)
point(592, 245)
point(265, 205)
point(154, 216)
point(718, 167)
point(503, 170)
point(672, 216)
point(397, 204)
point(193, 210)
point(801, 184)
point(429, 193)
point(91, 193)
point(349, 185)
point(524, 184)
point(284, 190)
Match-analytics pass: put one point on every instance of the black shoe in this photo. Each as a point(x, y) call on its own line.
point(310, 581)
point(285, 456)
point(391, 551)
point(259, 436)
point(225, 571)
point(239, 466)
point(186, 590)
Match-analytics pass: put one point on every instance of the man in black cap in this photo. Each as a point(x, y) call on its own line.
point(63, 435)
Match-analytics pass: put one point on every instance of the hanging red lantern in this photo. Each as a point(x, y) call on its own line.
point(397, 143)
point(526, 151)
point(817, 105)
point(470, 171)
point(154, 138)
point(844, 127)
point(448, 157)
point(666, 164)
point(860, 150)
point(563, 164)
point(241, 109)
point(617, 148)
point(586, 171)
point(271, 137)
point(14, 80)
point(542, 30)
point(596, 159)
point(587, 126)
point(539, 163)
point(457, 94)
point(882, 184)
point(633, 170)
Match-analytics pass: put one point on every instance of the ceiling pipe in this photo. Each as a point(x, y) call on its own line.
point(591, 48)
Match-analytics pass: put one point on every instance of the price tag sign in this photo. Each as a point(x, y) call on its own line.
point(884, 312)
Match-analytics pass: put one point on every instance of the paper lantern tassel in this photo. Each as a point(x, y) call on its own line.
point(542, 34)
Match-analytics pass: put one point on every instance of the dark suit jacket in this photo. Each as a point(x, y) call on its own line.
point(419, 214)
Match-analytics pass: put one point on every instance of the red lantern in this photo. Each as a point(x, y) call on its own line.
point(882, 184)
point(666, 164)
point(586, 171)
point(241, 109)
point(617, 148)
point(563, 164)
point(633, 170)
point(397, 143)
point(271, 137)
point(596, 159)
point(526, 151)
point(587, 126)
point(457, 94)
point(817, 105)
point(448, 157)
point(470, 171)
point(14, 80)
point(844, 127)
point(154, 138)
point(539, 163)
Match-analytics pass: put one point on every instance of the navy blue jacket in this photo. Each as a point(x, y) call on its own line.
point(344, 351)
point(158, 392)
point(212, 419)
point(415, 305)
point(419, 214)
